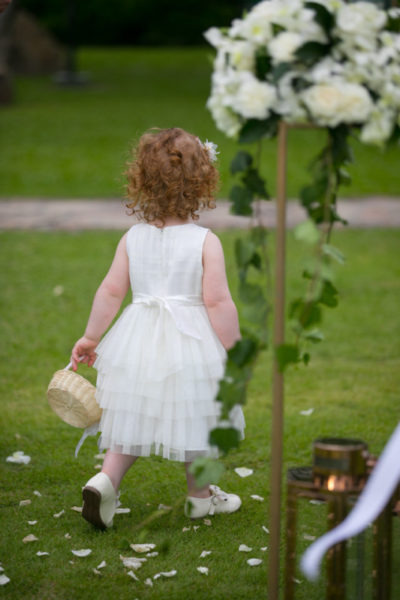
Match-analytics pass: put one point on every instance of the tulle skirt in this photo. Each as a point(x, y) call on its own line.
point(157, 386)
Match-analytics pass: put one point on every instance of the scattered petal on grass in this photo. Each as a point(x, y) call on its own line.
point(122, 511)
point(196, 527)
point(205, 553)
point(30, 538)
point(132, 562)
point(42, 553)
point(102, 565)
point(297, 580)
point(58, 290)
point(165, 574)
point(98, 467)
point(307, 413)
point(19, 458)
point(82, 553)
point(142, 547)
point(37, 493)
point(244, 548)
point(316, 501)
point(100, 456)
point(4, 579)
point(185, 529)
point(71, 562)
point(25, 502)
point(203, 570)
point(265, 529)
point(132, 574)
point(58, 515)
point(207, 522)
point(254, 562)
point(149, 582)
point(96, 572)
point(32, 522)
point(243, 471)
point(1, 569)
point(152, 554)
point(164, 507)
point(67, 536)
point(255, 497)
point(77, 508)
point(17, 436)
point(309, 538)
point(264, 548)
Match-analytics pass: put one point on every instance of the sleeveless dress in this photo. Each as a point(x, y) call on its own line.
point(160, 364)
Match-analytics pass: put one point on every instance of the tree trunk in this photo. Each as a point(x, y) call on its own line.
point(6, 88)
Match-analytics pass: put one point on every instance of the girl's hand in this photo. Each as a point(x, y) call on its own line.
point(84, 352)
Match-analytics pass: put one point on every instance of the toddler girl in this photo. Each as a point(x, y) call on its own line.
point(159, 365)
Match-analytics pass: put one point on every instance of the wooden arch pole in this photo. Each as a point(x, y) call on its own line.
point(278, 383)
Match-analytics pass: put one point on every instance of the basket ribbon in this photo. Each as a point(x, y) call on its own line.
point(91, 430)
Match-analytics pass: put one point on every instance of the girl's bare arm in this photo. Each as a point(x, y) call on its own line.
point(106, 304)
point(216, 295)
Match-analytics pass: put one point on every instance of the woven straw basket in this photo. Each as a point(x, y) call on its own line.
point(72, 397)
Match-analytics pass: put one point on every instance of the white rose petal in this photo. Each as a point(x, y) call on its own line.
point(142, 547)
point(264, 548)
point(19, 458)
point(309, 538)
point(58, 290)
point(151, 554)
point(243, 471)
point(165, 574)
point(132, 574)
point(196, 527)
point(4, 579)
point(30, 538)
point(122, 511)
point(100, 456)
point(203, 570)
point(37, 493)
point(42, 553)
point(307, 413)
point(256, 497)
point(58, 515)
point(254, 562)
point(32, 522)
point(77, 508)
point(67, 536)
point(98, 467)
point(149, 582)
point(132, 562)
point(265, 529)
point(205, 553)
point(207, 522)
point(102, 565)
point(96, 572)
point(25, 502)
point(81, 553)
point(244, 548)
point(164, 507)
point(185, 529)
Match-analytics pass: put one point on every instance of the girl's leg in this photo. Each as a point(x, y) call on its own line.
point(116, 465)
point(193, 490)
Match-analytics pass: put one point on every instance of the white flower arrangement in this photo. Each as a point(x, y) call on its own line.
point(323, 62)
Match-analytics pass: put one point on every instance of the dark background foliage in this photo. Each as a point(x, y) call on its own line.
point(134, 22)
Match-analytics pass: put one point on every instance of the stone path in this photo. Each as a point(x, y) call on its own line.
point(72, 215)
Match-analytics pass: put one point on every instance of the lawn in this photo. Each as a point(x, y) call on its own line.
point(73, 143)
point(352, 383)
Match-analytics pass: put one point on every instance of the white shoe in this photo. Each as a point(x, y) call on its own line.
point(218, 502)
point(99, 501)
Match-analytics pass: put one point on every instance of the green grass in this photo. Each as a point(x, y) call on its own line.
point(352, 383)
point(61, 143)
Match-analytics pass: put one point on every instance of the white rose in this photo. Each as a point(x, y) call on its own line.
point(323, 71)
point(214, 37)
point(337, 102)
point(242, 55)
point(254, 98)
point(225, 119)
point(361, 18)
point(284, 45)
point(252, 28)
point(379, 127)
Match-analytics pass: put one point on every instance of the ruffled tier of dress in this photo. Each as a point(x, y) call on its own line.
point(157, 387)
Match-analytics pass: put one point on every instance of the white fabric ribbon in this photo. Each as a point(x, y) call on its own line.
point(173, 304)
point(372, 500)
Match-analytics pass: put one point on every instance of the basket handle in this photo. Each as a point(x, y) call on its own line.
point(69, 365)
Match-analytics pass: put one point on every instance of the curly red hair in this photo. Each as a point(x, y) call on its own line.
point(170, 175)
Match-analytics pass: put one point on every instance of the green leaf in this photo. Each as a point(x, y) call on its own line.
point(311, 52)
point(243, 352)
point(286, 354)
point(322, 16)
point(329, 295)
point(306, 358)
point(241, 162)
point(225, 438)
point(254, 129)
point(307, 313)
point(314, 336)
point(251, 293)
point(341, 150)
point(333, 252)
point(280, 70)
point(253, 181)
point(241, 199)
point(263, 64)
point(244, 251)
point(307, 232)
point(206, 470)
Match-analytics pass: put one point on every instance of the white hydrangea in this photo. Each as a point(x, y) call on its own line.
point(284, 45)
point(377, 130)
point(337, 102)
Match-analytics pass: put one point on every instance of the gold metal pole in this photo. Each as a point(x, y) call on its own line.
point(279, 336)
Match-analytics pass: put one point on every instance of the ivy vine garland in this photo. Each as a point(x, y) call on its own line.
point(322, 63)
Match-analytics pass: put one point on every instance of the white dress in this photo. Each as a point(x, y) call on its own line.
point(159, 365)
